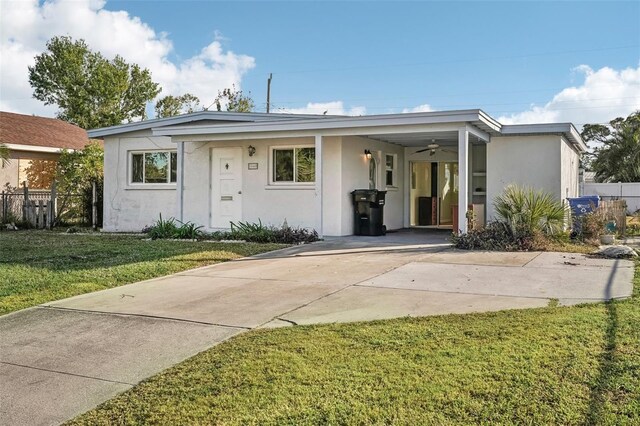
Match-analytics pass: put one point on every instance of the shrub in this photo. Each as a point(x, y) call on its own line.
point(253, 232)
point(169, 229)
point(498, 236)
point(162, 229)
point(591, 225)
point(23, 224)
point(240, 231)
point(533, 211)
point(188, 231)
point(633, 224)
point(289, 235)
point(73, 230)
point(259, 233)
point(528, 220)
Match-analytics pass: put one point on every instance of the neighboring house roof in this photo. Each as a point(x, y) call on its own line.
point(41, 134)
point(590, 177)
point(253, 123)
point(219, 117)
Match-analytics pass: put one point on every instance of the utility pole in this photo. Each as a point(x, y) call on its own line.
point(269, 92)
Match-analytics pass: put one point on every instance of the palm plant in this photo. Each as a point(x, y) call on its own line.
point(524, 209)
point(306, 159)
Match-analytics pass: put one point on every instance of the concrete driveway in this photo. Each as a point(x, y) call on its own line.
point(63, 358)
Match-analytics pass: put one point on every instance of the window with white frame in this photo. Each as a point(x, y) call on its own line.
point(391, 161)
point(293, 165)
point(153, 167)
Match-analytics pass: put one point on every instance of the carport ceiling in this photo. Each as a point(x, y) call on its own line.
point(423, 139)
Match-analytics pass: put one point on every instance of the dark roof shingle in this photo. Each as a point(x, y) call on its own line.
point(31, 130)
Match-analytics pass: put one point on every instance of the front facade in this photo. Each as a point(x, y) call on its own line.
point(214, 168)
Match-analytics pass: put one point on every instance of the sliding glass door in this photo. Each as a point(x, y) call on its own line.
point(433, 193)
point(447, 191)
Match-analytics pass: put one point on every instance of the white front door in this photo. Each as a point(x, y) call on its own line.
point(226, 186)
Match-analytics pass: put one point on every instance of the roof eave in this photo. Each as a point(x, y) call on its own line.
point(438, 117)
point(199, 115)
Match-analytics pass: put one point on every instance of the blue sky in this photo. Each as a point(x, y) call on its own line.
point(508, 58)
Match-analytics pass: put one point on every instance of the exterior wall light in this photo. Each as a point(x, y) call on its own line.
point(252, 150)
point(367, 154)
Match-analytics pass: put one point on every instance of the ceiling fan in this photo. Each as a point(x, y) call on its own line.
point(432, 147)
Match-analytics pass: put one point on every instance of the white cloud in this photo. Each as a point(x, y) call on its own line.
point(331, 108)
point(27, 25)
point(419, 108)
point(603, 95)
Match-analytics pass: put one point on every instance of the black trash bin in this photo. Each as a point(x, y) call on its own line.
point(368, 212)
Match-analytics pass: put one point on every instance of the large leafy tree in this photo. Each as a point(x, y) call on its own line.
point(616, 158)
point(234, 100)
point(76, 171)
point(170, 105)
point(90, 90)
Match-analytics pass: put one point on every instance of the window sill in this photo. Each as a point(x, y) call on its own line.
point(150, 187)
point(392, 188)
point(290, 187)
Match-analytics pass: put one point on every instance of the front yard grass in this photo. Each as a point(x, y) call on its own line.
point(42, 266)
point(556, 365)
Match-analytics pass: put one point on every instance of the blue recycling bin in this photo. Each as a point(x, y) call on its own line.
point(581, 206)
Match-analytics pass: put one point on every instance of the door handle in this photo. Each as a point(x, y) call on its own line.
point(226, 198)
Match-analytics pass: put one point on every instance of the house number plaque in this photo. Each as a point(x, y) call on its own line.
point(253, 166)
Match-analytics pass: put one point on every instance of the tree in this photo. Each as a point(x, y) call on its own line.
point(90, 90)
point(234, 100)
point(617, 156)
point(170, 106)
point(41, 173)
point(76, 172)
point(4, 155)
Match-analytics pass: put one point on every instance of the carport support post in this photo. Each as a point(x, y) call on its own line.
point(180, 181)
point(463, 179)
point(318, 146)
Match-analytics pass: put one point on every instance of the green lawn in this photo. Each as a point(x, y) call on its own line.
point(557, 365)
point(41, 266)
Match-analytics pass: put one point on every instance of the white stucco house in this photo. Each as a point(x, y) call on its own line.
point(212, 168)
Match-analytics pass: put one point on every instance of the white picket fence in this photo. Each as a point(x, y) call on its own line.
point(630, 192)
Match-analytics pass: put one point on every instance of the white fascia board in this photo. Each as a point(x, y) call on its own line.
point(578, 141)
point(566, 129)
point(322, 125)
point(489, 121)
point(34, 148)
point(480, 134)
point(514, 129)
point(147, 124)
point(246, 117)
point(351, 131)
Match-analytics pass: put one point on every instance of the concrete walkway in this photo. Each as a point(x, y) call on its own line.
point(63, 358)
